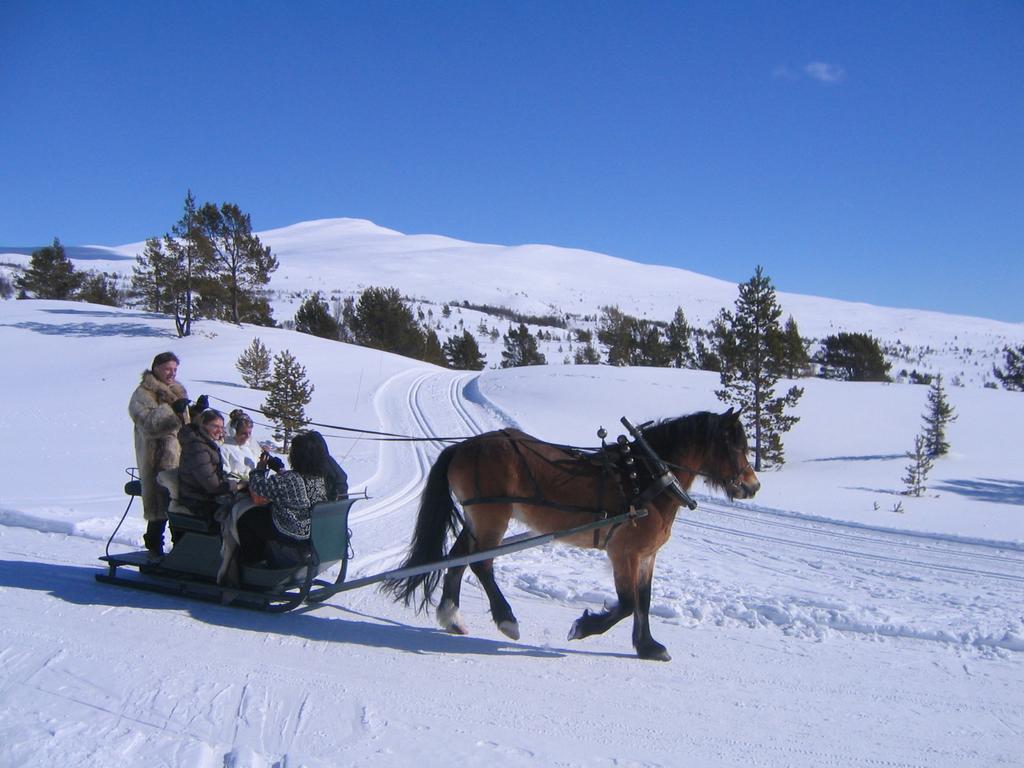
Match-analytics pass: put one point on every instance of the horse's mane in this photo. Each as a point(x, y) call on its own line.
point(696, 430)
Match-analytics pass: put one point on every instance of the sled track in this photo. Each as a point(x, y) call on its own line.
point(883, 541)
point(419, 406)
point(930, 543)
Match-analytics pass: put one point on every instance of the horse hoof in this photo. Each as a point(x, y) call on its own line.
point(656, 652)
point(574, 631)
point(509, 628)
point(450, 620)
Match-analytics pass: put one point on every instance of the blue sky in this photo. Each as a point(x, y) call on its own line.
point(871, 151)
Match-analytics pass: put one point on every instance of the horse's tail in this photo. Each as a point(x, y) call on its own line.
point(437, 517)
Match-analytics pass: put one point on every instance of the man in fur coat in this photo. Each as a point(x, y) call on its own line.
point(159, 408)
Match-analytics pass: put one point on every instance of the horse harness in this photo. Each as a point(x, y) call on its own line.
point(615, 463)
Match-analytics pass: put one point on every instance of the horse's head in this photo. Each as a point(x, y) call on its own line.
point(727, 462)
point(711, 445)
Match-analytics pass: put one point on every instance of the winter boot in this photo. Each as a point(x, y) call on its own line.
point(154, 538)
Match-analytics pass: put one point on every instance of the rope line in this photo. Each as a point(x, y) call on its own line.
point(383, 437)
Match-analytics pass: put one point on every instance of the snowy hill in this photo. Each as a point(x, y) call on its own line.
point(830, 621)
point(341, 257)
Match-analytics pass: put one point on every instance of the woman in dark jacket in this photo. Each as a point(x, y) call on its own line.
point(336, 478)
point(292, 495)
point(201, 475)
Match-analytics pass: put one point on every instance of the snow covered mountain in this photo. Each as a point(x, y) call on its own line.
point(341, 257)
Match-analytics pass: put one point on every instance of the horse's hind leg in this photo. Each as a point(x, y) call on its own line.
point(501, 611)
point(448, 615)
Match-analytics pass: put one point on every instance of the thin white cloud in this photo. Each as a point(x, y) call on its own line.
point(824, 72)
point(783, 72)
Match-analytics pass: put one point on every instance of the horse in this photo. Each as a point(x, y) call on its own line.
point(508, 474)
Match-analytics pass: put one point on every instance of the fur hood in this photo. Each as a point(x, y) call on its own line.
point(162, 393)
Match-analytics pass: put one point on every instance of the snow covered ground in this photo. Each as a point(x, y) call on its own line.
point(815, 625)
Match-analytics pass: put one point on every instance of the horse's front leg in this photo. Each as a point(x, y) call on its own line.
point(626, 570)
point(646, 646)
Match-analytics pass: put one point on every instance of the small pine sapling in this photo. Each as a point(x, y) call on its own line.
point(254, 365)
point(939, 414)
point(290, 391)
point(919, 467)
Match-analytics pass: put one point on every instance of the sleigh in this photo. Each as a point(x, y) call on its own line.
point(190, 569)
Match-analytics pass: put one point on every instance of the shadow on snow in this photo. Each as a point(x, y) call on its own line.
point(76, 584)
point(88, 330)
point(985, 489)
point(869, 457)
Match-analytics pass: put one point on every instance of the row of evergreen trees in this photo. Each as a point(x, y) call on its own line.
point(52, 275)
point(210, 264)
point(381, 319)
point(748, 345)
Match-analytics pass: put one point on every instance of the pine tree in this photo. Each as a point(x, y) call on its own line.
point(919, 467)
point(463, 353)
point(383, 321)
point(793, 358)
point(940, 413)
point(521, 349)
point(192, 255)
point(50, 274)
point(314, 317)
point(344, 313)
point(747, 344)
point(432, 352)
point(615, 331)
point(290, 391)
point(169, 275)
point(254, 365)
point(587, 355)
point(853, 357)
point(677, 337)
point(98, 288)
point(1011, 375)
point(632, 341)
point(650, 348)
point(153, 278)
point(240, 264)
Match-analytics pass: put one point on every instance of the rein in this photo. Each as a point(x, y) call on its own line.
point(388, 437)
point(731, 481)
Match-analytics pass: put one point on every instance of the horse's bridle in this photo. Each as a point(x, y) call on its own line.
point(734, 480)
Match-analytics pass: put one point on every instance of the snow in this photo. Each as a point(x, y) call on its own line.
point(813, 625)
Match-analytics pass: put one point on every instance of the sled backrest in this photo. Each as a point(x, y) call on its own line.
point(329, 531)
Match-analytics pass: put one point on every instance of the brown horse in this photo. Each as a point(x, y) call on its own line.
point(503, 475)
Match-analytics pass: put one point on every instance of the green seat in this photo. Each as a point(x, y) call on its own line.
point(329, 531)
